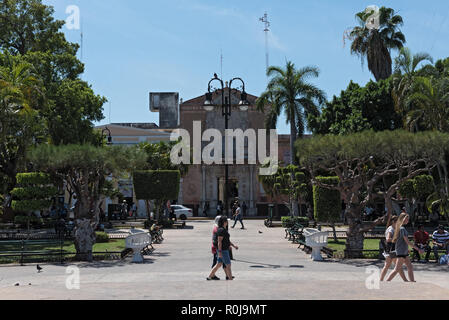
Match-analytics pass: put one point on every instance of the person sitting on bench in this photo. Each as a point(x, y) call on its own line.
point(440, 241)
point(421, 238)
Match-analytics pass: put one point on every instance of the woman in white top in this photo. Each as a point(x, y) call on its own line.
point(389, 253)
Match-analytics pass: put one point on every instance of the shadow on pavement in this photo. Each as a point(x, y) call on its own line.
point(265, 265)
point(431, 266)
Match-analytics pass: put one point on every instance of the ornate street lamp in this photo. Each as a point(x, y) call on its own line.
point(109, 136)
point(226, 108)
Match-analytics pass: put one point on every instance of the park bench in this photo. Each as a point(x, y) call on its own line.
point(179, 224)
point(294, 233)
point(138, 242)
point(316, 240)
point(31, 248)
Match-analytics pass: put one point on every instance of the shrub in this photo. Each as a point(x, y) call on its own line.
point(423, 185)
point(407, 190)
point(288, 222)
point(326, 202)
point(102, 237)
point(156, 185)
point(23, 220)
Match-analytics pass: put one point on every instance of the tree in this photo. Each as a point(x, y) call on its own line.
point(21, 93)
point(327, 203)
point(358, 109)
point(290, 92)
point(157, 185)
point(370, 165)
point(34, 194)
point(430, 99)
point(288, 181)
point(375, 44)
point(403, 78)
point(86, 169)
point(71, 114)
point(28, 29)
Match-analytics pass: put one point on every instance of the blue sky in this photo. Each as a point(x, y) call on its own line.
point(134, 47)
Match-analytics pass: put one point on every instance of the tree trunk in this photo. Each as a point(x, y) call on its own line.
point(84, 240)
point(355, 235)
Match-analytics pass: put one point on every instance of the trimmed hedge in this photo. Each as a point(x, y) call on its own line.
point(33, 178)
point(156, 184)
point(23, 220)
point(33, 192)
point(288, 222)
point(326, 202)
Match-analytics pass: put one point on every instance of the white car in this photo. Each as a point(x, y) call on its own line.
point(182, 212)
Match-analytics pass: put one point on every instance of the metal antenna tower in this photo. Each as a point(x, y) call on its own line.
point(264, 19)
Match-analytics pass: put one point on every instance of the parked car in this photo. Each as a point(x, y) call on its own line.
point(182, 212)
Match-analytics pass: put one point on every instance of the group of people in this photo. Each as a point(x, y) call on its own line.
point(397, 246)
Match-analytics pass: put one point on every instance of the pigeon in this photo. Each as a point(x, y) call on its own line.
point(39, 268)
point(17, 284)
point(260, 232)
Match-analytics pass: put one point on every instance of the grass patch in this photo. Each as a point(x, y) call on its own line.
point(114, 245)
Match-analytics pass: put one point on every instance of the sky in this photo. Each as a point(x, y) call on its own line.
point(131, 48)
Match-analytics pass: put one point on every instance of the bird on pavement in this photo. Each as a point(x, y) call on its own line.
point(260, 232)
point(39, 268)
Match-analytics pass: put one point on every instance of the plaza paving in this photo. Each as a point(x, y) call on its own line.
point(267, 267)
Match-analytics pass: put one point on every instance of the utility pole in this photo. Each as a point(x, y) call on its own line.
point(267, 24)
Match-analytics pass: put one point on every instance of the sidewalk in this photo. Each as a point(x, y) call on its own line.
point(267, 267)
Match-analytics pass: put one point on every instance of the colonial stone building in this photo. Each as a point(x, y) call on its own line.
point(204, 184)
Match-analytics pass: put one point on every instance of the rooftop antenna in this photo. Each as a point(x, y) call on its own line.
point(264, 19)
point(221, 63)
point(110, 107)
point(82, 38)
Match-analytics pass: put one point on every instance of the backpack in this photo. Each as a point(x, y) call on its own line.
point(444, 259)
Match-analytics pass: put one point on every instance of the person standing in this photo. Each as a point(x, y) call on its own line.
point(222, 241)
point(238, 216)
point(440, 241)
point(401, 247)
point(421, 238)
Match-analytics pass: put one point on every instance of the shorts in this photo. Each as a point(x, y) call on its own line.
point(402, 255)
point(226, 260)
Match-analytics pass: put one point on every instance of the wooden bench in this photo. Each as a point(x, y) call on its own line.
point(31, 248)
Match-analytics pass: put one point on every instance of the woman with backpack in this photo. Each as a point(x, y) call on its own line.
point(402, 244)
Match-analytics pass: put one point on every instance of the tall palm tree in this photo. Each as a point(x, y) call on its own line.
point(404, 74)
point(290, 92)
point(430, 99)
point(375, 44)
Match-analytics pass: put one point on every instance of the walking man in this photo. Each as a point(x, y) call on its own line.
point(238, 216)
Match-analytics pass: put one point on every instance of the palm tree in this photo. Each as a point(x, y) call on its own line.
point(19, 93)
point(376, 43)
point(430, 99)
point(404, 73)
point(290, 92)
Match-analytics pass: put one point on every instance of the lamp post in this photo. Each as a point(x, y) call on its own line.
point(226, 108)
point(109, 136)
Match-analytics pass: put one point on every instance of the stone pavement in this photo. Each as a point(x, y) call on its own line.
point(267, 267)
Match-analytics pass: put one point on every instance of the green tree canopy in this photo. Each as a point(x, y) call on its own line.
point(358, 109)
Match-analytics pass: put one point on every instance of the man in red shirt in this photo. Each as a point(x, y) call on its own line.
point(421, 241)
